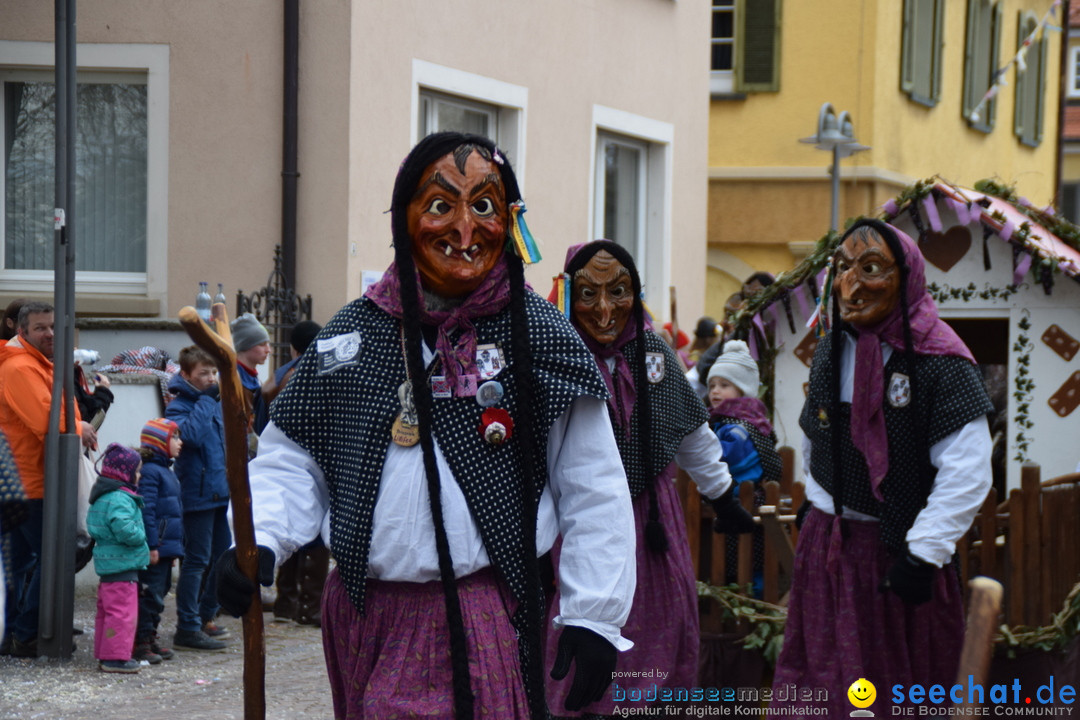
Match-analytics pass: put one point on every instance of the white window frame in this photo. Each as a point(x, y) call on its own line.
point(654, 254)
point(511, 101)
point(1074, 77)
point(603, 140)
point(722, 82)
point(153, 60)
point(436, 100)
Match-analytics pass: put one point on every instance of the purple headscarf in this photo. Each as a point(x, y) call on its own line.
point(459, 359)
point(930, 335)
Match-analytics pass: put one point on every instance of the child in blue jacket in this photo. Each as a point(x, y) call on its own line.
point(741, 422)
point(115, 522)
point(163, 516)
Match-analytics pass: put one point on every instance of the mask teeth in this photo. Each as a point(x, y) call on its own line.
point(466, 256)
point(449, 251)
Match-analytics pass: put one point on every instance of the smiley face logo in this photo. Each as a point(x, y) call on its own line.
point(862, 693)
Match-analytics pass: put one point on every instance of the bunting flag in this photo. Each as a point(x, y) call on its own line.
point(1018, 60)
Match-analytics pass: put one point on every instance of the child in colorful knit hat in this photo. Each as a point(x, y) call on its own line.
point(163, 517)
point(115, 522)
point(741, 422)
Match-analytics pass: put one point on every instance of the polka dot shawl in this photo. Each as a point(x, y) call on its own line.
point(343, 418)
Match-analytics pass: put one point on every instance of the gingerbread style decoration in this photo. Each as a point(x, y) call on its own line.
point(1061, 342)
point(805, 349)
point(943, 250)
point(1067, 397)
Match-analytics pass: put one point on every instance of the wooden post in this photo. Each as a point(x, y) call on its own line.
point(798, 497)
point(744, 573)
point(770, 564)
point(787, 469)
point(1017, 591)
point(217, 341)
point(988, 530)
point(1032, 573)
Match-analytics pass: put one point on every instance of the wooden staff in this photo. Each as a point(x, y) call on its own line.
point(217, 342)
point(984, 606)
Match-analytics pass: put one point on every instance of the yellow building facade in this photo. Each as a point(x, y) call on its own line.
point(912, 74)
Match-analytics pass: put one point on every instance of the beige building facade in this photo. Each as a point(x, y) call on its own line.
point(602, 106)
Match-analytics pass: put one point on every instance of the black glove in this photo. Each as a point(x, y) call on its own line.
point(594, 658)
point(801, 513)
point(910, 578)
point(731, 516)
point(214, 391)
point(234, 590)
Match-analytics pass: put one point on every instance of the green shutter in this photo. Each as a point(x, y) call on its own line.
point(936, 50)
point(907, 48)
point(1040, 90)
point(758, 42)
point(980, 61)
point(921, 43)
point(1030, 85)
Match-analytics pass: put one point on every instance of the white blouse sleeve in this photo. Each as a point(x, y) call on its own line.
point(701, 456)
point(597, 564)
point(289, 498)
point(960, 487)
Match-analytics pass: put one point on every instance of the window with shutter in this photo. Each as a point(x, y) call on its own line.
point(921, 43)
point(981, 62)
point(722, 48)
point(1030, 83)
point(758, 69)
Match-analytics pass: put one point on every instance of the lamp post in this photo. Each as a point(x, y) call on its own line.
point(836, 133)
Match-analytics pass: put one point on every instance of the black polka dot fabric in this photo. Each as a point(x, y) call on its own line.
point(12, 496)
point(343, 419)
point(950, 395)
point(676, 412)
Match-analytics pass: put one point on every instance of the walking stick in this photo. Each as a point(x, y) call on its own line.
point(217, 341)
point(984, 607)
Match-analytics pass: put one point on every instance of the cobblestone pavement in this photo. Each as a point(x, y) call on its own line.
point(192, 686)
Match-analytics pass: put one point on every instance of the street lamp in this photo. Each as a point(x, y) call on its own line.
point(836, 133)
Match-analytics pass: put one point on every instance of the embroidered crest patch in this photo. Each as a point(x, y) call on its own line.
point(899, 390)
point(338, 352)
point(654, 366)
point(489, 361)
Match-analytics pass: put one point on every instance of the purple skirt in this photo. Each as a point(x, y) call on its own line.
point(393, 662)
point(663, 622)
point(841, 628)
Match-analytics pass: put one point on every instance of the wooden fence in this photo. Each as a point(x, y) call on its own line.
point(1030, 543)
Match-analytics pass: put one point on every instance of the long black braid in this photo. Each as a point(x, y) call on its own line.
point(427, 151)
point(523, 378)
point(655, 536)
point(868, 228)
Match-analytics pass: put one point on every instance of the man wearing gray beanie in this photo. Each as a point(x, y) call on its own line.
point(252, 344)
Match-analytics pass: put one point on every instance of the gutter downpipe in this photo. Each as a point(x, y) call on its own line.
point(289, 173)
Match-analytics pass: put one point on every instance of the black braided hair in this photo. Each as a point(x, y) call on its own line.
point(427, 151)
point(655, 536)
point(866, 228)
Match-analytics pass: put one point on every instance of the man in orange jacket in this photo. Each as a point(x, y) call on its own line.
point(26, 378)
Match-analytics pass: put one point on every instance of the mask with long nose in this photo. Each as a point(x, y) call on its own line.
point(867, 279)
point(457, 221)
point(603, 297)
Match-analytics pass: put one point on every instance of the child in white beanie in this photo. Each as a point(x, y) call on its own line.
point(741, 422)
